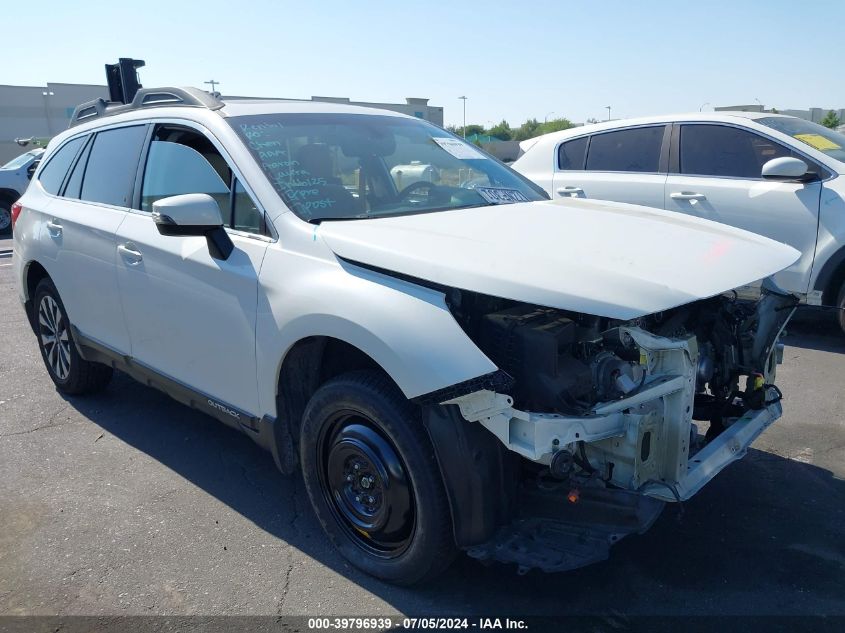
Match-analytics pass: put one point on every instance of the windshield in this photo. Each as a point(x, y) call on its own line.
point(349, 166)
point(20, 161)
point(816, 136)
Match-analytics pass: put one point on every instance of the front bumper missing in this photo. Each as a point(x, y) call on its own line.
point(553, 534)
point(729, 446)
point(641, 442)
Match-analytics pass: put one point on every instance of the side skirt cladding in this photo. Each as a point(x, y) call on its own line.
point(259, 429)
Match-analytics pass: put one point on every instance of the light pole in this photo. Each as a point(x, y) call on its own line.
point(608, 112)
point(213, 83)
point(706, 103)
point(464, 99)
point(546, 118)
point(47, 94)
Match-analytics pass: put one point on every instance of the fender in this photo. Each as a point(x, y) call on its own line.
point(368, 310)
point(9, 194)
point(831, 272)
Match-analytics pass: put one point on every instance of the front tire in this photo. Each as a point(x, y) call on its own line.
point(373, 479)
point(71, 373)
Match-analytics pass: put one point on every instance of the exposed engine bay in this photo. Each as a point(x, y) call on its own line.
point(601, 413)
point(615, 399)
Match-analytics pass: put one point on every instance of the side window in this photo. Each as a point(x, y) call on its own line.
point(570, 155)
point(182, 160)
point(720, 150)
point(245, 216)
point(174, 169)
point(73, 188)
point(53, 174)
point(112, 163)
point(635, 149)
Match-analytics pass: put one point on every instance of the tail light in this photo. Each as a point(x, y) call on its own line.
point(16, 211)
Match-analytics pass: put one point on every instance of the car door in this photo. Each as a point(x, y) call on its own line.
point(81, 225)
point(625, 165)
point(191, 317)
point(716, 175)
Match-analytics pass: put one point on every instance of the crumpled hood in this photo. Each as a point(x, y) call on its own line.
point(603, 258)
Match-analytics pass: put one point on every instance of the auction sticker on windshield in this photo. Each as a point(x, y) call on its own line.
point(818, 141)
point(458, 149)
point(498, 195)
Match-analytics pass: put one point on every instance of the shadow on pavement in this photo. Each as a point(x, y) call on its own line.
point(813, 328)
point(765, 537)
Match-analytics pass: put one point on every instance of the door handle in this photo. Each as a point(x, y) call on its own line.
point(565, 191)
point(687, 195)
point(129, 254)
point(54, 228)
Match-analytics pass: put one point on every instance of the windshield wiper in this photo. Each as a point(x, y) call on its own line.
point(360, 216)
point(396, 214)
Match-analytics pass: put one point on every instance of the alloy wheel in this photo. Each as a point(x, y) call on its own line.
point(54, 337)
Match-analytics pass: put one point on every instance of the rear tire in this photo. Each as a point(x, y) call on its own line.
point(5, 218)
point(71, 373)
point(373, 480)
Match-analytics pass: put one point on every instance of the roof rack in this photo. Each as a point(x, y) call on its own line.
point(147, 98)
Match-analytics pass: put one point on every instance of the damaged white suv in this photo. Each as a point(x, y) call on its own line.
point(455, 362)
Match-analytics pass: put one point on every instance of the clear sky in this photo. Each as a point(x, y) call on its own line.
point(512, 60)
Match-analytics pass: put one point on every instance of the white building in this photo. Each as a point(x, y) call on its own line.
point(39, 111)
point(812, 114)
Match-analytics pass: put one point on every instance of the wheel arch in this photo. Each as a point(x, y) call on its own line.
point(309, 363)
point(831, 277)
point(9, 195)
point(34, 272)
point(478, 501)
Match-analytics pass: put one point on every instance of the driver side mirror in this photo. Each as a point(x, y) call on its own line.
point(788, 169)
point(30, 171)
point(194, 214)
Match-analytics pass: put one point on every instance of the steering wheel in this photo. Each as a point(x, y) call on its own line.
point(414, 186)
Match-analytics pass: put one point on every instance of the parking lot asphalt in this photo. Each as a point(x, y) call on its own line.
point(129, 503)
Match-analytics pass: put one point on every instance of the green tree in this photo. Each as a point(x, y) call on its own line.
point(454, 129)
point(831, 120)
point(556, 125)
point(501, 131)
point(529, 129)
point(472, 128)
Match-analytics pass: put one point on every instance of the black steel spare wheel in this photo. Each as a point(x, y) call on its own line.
point(373, 480)
point(367, 485)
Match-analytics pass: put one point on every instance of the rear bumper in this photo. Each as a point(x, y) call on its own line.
point(729, 446)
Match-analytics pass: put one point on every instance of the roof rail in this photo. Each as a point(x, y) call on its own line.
point(147, 98)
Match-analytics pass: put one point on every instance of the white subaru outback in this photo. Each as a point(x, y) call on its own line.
point(454, 362)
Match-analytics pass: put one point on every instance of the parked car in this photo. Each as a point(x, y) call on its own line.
point(452, 367)
point(775, 175)
point(14, 178)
